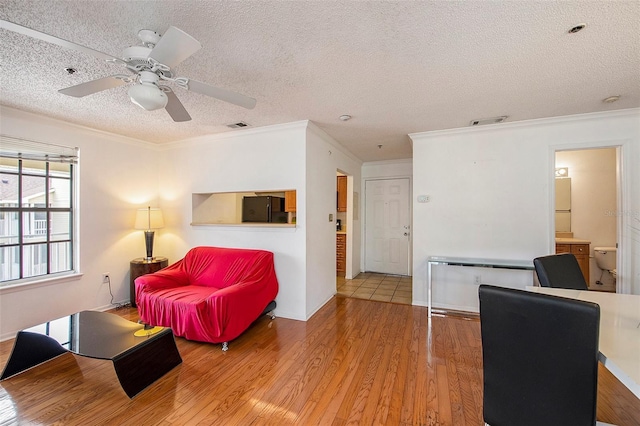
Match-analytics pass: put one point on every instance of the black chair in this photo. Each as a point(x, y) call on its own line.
point(560, 271)
point(540, 358)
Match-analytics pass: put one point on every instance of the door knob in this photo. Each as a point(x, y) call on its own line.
point(406, 234)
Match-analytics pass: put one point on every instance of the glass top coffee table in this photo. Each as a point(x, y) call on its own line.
point(140, 356)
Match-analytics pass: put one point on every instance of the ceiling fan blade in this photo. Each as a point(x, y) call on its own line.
point(55, 40)
point(222, 94)
point(94, 86)
point(174, 107)
point(174, 47)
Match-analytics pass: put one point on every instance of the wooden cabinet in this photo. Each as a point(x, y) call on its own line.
point(581, 252)
point(342, 193)
point(142, 266)
point(289, 201)
point(341, 254)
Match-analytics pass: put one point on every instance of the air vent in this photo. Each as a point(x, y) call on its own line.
point(238, 125)
point(492, 120)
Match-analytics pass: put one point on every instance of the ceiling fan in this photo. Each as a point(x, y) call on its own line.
point(150, 65)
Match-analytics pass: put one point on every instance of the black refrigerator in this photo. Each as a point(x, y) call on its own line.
point(263, 208)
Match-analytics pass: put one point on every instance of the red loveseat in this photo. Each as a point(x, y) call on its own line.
point(212, 295)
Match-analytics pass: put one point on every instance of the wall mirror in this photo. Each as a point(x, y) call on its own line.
point(563, 204)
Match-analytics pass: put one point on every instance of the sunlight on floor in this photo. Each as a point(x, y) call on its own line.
point(267, 410)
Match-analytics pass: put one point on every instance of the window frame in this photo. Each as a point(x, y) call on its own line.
point(24, 211)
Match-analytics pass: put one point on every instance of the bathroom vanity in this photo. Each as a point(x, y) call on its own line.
point(579, 248)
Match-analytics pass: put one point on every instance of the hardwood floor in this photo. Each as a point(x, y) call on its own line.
point(354, 362)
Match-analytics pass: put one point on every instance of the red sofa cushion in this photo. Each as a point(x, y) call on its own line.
point(213, 294)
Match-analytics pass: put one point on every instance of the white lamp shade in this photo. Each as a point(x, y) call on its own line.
point(148, 96)
point(149, 219)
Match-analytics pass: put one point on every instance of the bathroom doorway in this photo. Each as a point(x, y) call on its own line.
point(586, 218)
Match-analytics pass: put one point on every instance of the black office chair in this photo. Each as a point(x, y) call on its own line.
point(540, 358)
point(560, 271)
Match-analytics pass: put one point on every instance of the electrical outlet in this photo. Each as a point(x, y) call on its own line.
point(477, 279)
point(105, 277)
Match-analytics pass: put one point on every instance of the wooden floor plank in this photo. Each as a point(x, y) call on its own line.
point(354, 362)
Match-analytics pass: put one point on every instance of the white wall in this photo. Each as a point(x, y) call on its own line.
point(491, 194)
point(593, 201)
point(324, 156)
point(290, 156)
point(117, 175)
point(268, 158)
point(387, 169)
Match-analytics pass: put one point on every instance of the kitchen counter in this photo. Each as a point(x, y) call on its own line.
point(571, 241)
point(341, 232)
point(248, 224)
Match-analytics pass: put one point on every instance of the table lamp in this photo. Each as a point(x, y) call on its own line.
point(149, 219)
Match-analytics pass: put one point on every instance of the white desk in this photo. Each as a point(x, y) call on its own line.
point(474, 262)
point(619, 331)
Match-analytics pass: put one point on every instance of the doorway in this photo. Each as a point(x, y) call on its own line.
point(387, 237)
point(387, 226)
point(588, 217)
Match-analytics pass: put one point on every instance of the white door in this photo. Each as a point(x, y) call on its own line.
point(387, 227)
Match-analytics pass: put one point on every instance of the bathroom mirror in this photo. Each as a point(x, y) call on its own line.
point(563, 204)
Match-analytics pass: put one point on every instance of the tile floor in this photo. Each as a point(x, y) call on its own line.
point(381, 287)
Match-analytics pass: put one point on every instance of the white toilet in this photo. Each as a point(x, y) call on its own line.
point(606, 259)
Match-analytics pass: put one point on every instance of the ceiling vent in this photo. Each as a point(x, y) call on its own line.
point(238, 125)
point(492, 120)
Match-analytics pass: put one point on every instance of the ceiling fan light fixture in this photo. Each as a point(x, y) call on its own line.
point(148, 96)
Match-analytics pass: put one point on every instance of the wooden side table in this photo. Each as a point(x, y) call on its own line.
point(142, 266)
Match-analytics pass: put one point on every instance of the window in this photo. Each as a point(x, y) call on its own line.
point(37, 214)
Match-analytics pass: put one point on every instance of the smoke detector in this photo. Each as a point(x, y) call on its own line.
point(577, 28)
point(238, 125)
point(492, 120)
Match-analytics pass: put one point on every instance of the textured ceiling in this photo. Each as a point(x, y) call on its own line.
point(397, 67)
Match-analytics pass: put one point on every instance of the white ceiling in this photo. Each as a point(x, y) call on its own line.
point(397, 67)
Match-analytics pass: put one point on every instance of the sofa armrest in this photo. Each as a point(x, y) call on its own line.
point(165, 278)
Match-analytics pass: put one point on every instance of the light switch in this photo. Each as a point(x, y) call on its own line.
point(330, 217)
point(424, 198)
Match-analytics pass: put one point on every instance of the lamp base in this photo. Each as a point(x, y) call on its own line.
point(148, 241)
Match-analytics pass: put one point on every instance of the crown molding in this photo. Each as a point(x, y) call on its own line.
point(58, 122)
point(629, 112)
point(385, 162)
point(296, 125)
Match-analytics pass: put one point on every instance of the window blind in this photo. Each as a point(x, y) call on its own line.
point(11, 147)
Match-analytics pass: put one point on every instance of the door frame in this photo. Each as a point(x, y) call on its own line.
point(364, 221)
point(622, 188)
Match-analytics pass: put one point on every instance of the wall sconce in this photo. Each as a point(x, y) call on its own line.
point(562, 172)
point(149, 219)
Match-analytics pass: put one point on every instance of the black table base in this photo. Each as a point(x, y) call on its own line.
point(138, 361)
